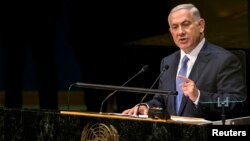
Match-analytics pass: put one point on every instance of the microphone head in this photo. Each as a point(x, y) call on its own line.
point(144, 68)
point(165, 68)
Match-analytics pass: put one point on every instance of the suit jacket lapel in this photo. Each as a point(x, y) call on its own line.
point(200, 63)
point(198, 66)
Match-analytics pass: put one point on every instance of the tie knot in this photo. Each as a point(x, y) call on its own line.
point(185, 59)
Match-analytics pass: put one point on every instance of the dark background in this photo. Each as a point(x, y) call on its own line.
point(118, 37)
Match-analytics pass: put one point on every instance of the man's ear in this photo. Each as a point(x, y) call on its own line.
point(202, 25)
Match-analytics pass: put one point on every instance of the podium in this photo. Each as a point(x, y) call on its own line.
point(54, 125)
point(28, 124)
point(234, 121)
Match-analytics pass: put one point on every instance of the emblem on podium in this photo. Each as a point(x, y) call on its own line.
point(99, 132)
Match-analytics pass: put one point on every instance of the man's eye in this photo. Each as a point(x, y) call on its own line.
point(174, 27)
point(186, 24)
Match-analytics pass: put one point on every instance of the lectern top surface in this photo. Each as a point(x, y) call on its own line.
point(173, 119)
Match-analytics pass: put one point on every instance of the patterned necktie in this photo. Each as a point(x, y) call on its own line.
point(183, 71)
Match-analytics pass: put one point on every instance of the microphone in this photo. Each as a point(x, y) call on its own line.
point(162, 71)
point(143, 69)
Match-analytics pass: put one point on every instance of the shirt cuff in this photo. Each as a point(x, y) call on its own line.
point(145, 104)
point(198, 98)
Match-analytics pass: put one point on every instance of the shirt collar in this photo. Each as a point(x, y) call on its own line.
point(194, 53)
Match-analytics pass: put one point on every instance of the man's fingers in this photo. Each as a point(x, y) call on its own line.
point(184, 78)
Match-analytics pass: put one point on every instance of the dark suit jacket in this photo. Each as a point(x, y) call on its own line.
point(216, 73)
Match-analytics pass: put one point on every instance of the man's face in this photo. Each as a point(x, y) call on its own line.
point(186, 31)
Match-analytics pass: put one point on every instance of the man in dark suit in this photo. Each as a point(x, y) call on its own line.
point(212, 72)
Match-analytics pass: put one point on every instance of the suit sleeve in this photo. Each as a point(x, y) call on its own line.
point(229, 84)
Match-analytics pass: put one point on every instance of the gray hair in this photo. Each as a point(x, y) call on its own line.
point(191, 7)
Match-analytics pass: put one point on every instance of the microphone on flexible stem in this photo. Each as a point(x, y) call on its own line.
point(143, 69)
point(163, 70)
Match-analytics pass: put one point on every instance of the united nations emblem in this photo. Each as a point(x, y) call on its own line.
point(99, 132)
